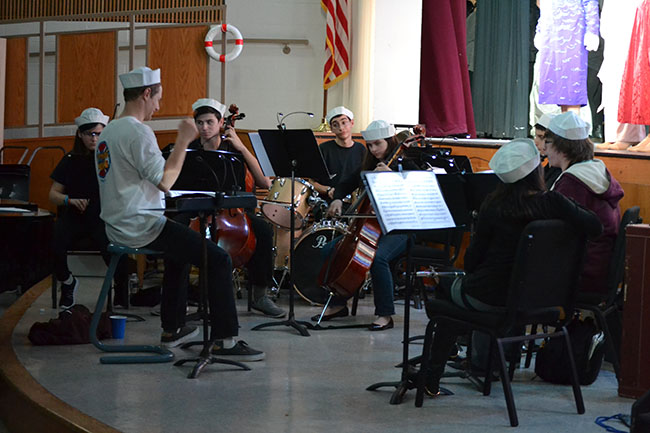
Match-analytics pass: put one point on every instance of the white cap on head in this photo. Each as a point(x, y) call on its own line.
point(377, 130)
point(570, 126)
point(140, 77)
point(208, 102)
point(515, 160)
point(545, 120)
point(91, 115)
point(337, 111)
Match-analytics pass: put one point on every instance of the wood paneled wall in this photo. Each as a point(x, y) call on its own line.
point(33, 10)
point(631, 172)
point(16, 83)
point(85, 73)
point(183, 63)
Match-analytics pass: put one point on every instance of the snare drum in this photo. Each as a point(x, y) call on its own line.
point(277, 205)
point(309, 260)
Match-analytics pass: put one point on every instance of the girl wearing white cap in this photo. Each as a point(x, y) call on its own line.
point(381, 142)
point(588, 182)
point(520, 199)
point(74, 190)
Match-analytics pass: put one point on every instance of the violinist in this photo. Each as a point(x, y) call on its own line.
point(381, 143)
point(75, 192)
point(341, 154)
point(209, 120)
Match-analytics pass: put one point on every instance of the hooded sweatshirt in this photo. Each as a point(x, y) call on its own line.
point(590, 184)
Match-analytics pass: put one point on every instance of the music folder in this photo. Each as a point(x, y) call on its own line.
point(407, 201)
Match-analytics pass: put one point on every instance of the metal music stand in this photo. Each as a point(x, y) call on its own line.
point(291, 153)
point(207, 171)
point(381, 205)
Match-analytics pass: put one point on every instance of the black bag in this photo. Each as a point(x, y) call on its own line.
point(552, 360)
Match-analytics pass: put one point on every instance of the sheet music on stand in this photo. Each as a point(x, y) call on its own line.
point(407, 201)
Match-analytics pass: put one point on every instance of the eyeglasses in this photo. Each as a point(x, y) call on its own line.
point(92, 134)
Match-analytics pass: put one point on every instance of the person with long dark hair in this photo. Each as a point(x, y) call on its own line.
point(381, 142)
point(520, 199)
point(75, 192)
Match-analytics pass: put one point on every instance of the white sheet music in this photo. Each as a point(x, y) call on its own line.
point(410, 200)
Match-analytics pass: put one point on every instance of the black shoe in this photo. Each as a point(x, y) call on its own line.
point(182, 335)
point(68, 292)
point(343, 312)
point(376, 327)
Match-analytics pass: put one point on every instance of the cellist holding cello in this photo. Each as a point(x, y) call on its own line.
point(383, 147)
point(216, 132)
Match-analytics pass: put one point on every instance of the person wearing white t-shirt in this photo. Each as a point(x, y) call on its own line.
point(133, 175)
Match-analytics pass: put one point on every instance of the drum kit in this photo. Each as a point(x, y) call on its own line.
point(310, 237)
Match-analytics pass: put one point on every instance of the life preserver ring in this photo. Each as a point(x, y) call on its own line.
point(239, 42)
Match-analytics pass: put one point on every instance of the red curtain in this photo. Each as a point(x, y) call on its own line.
point(445, 94)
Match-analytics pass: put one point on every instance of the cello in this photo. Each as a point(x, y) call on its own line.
point(232, 228)
point(345, 271)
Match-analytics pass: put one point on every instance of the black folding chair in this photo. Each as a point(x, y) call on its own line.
point(542, 290)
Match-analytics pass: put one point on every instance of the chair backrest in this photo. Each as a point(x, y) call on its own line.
point(14, 181)
point(547, 268)
point(617, 263)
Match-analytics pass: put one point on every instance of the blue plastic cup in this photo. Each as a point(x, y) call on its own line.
point(118, 326)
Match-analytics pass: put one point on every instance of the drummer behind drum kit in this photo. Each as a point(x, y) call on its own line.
point(310, 240)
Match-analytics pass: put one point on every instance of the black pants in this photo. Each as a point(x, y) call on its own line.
point(70, 229)
point(183, 247)
point(260, 265)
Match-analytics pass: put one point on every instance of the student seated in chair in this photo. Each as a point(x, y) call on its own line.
point(132, 177)
point(74, 190)
point(520, 199)
point(587, 181)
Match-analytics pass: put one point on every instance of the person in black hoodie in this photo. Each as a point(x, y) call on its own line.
point(520, 199)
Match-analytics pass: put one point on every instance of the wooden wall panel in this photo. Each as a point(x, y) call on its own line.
point(632, 173)
point(85, 74)
point(183, 63)
point(16, 82)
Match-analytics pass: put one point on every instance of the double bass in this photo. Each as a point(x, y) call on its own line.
point(232, 227)
point(344, 272)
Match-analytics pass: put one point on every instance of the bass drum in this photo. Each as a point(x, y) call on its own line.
point(309, 259)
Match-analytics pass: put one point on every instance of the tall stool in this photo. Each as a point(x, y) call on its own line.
point(162, 354)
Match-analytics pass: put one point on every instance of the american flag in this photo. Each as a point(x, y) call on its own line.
point(337, 65)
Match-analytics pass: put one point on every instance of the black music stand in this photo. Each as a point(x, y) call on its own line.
point(205, 170)
point(293, 152)
point(428, 211)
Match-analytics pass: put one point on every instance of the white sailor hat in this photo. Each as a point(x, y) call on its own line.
point(208, 102)
point(570, 126)
point(377, 130)
point(337, 111)
point(140, 77)
point(91, 115)
point(515, 160)
point(545, 120)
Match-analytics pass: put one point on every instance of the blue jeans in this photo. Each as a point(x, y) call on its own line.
point(182, 247)
point(388, 248)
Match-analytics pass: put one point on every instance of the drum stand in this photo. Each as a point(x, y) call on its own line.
point(205, 356)
point(299, 326)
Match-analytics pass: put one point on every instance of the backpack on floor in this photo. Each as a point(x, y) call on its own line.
point(552, 361)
